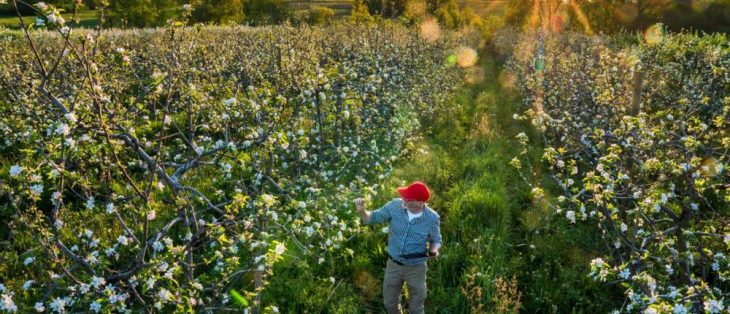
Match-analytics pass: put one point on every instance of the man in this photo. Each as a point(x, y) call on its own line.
point(413, 225)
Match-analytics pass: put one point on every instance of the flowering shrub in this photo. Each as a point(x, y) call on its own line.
point(163, 167)
point(636, 139)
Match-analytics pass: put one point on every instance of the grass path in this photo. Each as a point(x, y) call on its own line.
point(476, 192)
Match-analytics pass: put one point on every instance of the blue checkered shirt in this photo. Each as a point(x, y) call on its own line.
point(407, 237)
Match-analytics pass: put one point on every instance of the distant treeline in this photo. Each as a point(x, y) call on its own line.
point(598, 16)
point(151, 13)
point(612, 16)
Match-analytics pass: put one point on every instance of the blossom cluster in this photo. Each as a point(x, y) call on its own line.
point(637, 141)
point(169, 165)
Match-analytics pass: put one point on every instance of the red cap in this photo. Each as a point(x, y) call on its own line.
point(416, 191)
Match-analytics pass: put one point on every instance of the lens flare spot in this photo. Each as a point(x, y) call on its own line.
point(559, 20)
point(451, 59)
point(654, 34)
point(627, 13)
point(466, 57)
point(430, 30)
point(507, 79)
point(474, 75)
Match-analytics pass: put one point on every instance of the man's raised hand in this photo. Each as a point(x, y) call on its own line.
point(360, 204)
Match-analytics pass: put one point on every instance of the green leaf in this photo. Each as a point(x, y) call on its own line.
point(238, 298)
point(224, 239)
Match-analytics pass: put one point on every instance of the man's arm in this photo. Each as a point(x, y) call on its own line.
point(435, 235)
point(378, 216)
point(364, 214)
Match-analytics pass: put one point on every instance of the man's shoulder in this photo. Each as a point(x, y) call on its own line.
point(433, 213)
point(393, 203)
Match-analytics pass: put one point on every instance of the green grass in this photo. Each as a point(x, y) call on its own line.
point(87, 19)
point(475, 191)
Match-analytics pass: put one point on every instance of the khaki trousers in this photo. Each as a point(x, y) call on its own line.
point(414, 276)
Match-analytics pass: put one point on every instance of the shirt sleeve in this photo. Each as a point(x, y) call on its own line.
point(435, 232)
point(384, 213)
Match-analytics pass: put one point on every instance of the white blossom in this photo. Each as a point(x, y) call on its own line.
point(62, 129)
point(95, 307)
point(267, 200)
point(570, 215)
point(71, 117)
point(90, 203)
point(309, 231)
point(625, 273)
point(650, 310)
point(97, 282)
point(58, 305)
point(123, 240)
point(157, 246)
point(110, 208)
point(280, 248)
point(164, 295)
point(36, 189)
point(714, 306)
point(27, 284)
point(15, 170)
point(597, 262)
point(58, 224)
point(7, 304)
point(680, 309)
point(56, 197)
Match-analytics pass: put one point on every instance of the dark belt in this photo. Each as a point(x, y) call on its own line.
point(397, 262)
